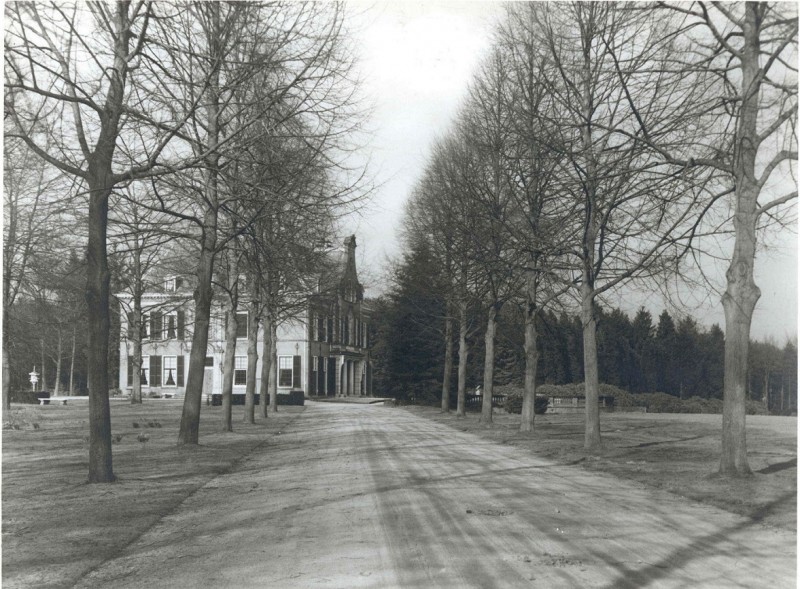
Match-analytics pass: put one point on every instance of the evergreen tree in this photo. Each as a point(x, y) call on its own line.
point(642, 348)
point(666, 381)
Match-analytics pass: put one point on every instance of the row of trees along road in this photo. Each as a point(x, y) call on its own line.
point(186, 130)
point(607, 143)
point(641, 354)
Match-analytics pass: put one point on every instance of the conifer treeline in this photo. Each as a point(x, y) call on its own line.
point(642, 354)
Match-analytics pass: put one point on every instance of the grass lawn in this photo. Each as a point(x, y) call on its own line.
point(57, 527)
point(675, 452)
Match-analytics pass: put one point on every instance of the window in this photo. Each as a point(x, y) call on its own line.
point(171, 326)
point(144, 377)
point(240, 371)
point(285, 371)
point(156, 325)
point(169, 284)
point(170, 368)
point(241, 325)
point(209, 361)
point(316, 364)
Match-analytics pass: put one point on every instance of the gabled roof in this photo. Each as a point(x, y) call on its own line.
point(339, 271)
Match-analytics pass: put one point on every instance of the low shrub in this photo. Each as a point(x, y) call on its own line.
point(427, 397)
point(293, 398)
point(513, 402)
point(514, 396)
point(754, 407)
point(28, 397)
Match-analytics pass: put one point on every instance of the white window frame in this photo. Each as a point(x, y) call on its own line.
point(165, 325)
point(146, 369)
point(169, 284)
point(290, 360)
point(165, 375)
point(240, 365)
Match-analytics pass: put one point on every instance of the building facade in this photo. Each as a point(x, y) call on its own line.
point(323, 351)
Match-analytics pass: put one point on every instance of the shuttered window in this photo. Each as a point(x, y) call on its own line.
point(156, 324)
point(181, 369)
point(297, 372)
point(285, 371)
point(155, 371)
point(241, 324)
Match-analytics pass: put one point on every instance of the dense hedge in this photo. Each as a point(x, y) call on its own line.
point(293, 398)
point(653, 402)
point(28, 397)
point(514, 396)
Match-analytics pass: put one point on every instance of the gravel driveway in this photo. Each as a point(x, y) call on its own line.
point(370, 496)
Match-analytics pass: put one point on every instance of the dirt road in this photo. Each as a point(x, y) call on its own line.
point(366, 496)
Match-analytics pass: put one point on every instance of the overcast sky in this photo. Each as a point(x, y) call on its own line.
point(416, 60)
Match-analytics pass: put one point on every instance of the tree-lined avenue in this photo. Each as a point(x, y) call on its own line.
point(366, 496)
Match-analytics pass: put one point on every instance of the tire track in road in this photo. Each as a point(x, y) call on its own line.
point(554, 525)
point(362, 496)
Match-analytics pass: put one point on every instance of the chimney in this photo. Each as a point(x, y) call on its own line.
point(350, 244)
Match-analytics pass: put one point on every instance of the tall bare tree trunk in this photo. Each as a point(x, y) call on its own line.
point(488, 365)
point(448, 360)
point(267, 361)
point(43, 380)
point(6, 339)
point(252, 360)
point(72, 363)
point(741, 294)
point(231, 327)
point(273, 367)
point(99, 321)
point(592, 385)
point(229, 367)
point(463, 352)
point(592, 439)
point(531, 359)
point(135, 329)
point(59, 352)
point(189, 432)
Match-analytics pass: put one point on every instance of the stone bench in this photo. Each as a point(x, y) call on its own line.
point(56, 400)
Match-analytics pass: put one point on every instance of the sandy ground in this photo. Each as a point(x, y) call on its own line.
point(365, 496)
point(675, 452)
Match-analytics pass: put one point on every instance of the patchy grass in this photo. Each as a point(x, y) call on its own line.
point(675, 452)
point(57, 527)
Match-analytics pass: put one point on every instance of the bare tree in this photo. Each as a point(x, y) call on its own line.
point(253, 65)
point(72, 65)
point(231, 260)
point(751, 49)
point(30, 213)
point(632, 206)
point(138, 240)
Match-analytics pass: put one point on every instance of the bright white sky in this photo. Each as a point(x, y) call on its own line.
point(417, 59)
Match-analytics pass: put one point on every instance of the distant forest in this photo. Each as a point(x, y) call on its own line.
point(644, 354)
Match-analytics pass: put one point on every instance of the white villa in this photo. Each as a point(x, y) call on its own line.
point(323, 352)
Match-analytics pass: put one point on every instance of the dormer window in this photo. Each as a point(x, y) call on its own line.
point(169, 284)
